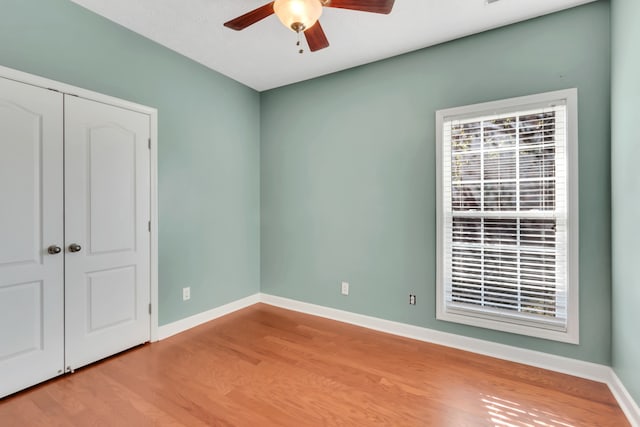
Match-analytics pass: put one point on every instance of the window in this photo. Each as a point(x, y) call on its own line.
point(507, 215)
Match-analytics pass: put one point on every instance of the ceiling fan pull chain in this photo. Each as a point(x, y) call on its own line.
point(301, 51)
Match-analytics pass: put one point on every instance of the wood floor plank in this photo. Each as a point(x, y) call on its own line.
point(265, 366)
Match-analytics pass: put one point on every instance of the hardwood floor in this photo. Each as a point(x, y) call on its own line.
point(264, 366)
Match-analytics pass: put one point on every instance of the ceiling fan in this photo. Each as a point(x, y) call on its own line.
point(302, 16)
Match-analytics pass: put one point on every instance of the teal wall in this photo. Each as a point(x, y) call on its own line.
point(625, 185)
point(348, 171)
point(209, 142)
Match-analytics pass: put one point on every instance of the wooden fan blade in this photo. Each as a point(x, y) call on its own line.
point(250, 18)
point(374, 6)
point(316, 39)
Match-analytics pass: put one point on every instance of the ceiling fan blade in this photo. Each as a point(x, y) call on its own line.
point(316, 39)
point(374, 6)
point(250, 18)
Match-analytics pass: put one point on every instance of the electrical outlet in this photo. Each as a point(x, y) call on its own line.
point(345, 288)
point(186, 293)
point(412, 299)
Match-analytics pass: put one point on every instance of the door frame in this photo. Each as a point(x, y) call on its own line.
point(34, 80)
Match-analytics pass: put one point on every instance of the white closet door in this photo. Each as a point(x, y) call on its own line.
point(31, 220)
point(107, 196)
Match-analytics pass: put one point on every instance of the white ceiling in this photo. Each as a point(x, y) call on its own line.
point(264, 56)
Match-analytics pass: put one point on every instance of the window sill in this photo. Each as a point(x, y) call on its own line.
point(570, 336)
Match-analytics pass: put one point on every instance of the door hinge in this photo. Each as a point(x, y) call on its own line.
point(149, 143)
point(149, 308)
point(149, 226)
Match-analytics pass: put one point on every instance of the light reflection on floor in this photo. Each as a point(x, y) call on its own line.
point(505, 413)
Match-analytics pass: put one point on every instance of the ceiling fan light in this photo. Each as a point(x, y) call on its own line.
point(292, 13)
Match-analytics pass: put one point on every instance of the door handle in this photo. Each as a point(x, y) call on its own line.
point(74, 247)
point(54, 249)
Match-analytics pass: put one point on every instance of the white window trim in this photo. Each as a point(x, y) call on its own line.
point(572, 333)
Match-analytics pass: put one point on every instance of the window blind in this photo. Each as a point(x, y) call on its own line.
point(504, 191)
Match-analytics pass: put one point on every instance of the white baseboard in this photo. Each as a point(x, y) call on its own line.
point(565, 365)
point(538, 359)
point(626, 402)
point(182, 325)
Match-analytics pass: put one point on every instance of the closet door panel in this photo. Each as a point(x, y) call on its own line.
point(112, 209)
point(107, 189)
point(31, 221)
